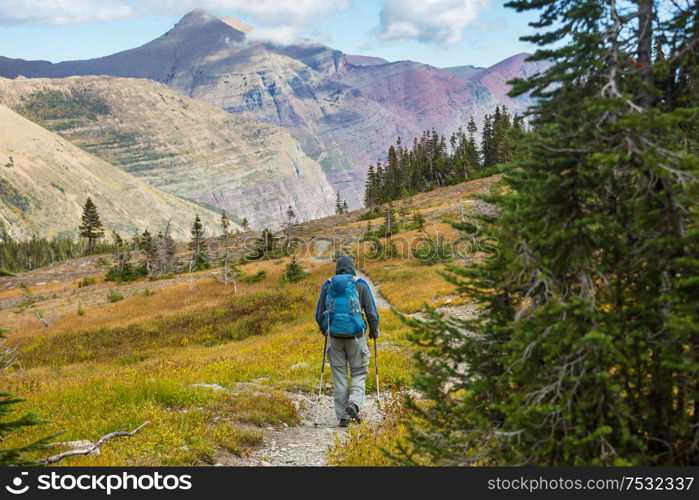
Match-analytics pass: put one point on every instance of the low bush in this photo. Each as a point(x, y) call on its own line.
point(86, 281)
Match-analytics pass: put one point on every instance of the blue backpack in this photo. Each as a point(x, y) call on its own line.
point(342, 308)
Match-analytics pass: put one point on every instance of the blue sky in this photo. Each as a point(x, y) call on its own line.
point(437, 32)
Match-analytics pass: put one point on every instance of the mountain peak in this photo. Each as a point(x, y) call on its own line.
point(195, 17)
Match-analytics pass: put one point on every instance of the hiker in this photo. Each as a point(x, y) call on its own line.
point(339, 314)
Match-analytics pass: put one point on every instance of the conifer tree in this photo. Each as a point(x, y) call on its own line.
point(488, 142)
point(472, 153)
point(294, 271)
point(371, 189)
point(419, 221)
point(338, 204)
point(245, 224)
point(586, 349)
point(290, 221)
point(225, 223)
point(148, 245)
point(264, 247)
point(91, 226)
point(196, 245)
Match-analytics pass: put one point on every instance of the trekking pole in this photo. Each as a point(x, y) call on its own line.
point(376, 369)
point(320, 387)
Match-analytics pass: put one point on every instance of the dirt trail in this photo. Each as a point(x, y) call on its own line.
point(379, 300)
point(304, 444)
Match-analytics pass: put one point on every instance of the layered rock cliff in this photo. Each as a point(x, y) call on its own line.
point(182, 146)
point(44, 181)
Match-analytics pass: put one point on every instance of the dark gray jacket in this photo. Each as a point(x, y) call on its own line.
point(345, 265)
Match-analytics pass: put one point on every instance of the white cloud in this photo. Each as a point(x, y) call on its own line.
point(431, 21)
point(60, 12)
point(266, 12)
point(280, 35)
point(278, 21)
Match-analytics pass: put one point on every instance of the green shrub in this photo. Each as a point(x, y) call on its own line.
point(374, 213)
point(381, 250)
point(114, 296)
point(128, 273)
point(433, 250)
point(253, 278)
point(86, 281)
point(163, 276)
point(244, 316)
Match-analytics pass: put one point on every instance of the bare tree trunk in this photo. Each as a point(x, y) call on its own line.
point(644, 49)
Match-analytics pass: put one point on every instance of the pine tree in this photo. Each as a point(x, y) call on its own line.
point(8, 425)
point(290, 221)
point(472, 153)
point(419, 221)
point(225, 223)
point(264, 247)
point(488, 142)
point(371, 189)
point(294, 271)
point(502, 147)
point(338, 204)
point(91, 226)
point(586, 349)
point(345, 207)
point(148, 245)
point(245, 224)
point(196, 245)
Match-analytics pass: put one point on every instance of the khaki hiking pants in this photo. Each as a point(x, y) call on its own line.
point(355, 353)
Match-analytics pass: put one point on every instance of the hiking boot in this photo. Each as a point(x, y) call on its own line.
point(353, 411)
point(343, 422)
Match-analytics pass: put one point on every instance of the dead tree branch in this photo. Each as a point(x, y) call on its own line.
point(95, 446)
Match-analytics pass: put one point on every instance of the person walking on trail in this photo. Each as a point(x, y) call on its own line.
point(339, 316)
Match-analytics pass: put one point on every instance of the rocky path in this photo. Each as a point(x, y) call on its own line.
point(304, 444)
point(380, 300)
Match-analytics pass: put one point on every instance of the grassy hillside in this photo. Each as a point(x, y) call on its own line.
point(105, 364)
